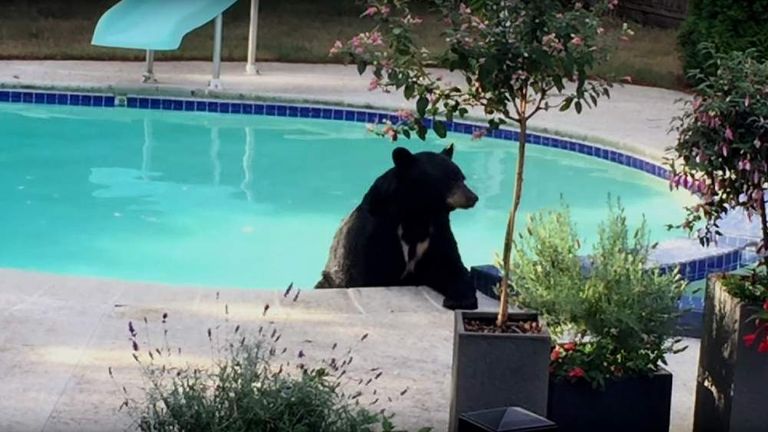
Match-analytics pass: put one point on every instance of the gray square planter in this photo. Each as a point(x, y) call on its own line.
point(498, 370)
point(731, 393)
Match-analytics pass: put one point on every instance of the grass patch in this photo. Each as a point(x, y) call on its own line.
point(291, 31)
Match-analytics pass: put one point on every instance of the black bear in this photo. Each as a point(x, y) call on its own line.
point(401, 233)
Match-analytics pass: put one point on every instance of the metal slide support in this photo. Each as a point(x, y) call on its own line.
point(149, 74)
point(253, 34)
point(215, 83)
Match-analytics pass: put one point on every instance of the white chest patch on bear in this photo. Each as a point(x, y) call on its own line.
point(411, 259)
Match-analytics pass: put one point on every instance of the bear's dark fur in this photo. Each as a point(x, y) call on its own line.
point(401, 233)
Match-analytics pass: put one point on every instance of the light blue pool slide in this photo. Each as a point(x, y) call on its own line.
point(154, 24)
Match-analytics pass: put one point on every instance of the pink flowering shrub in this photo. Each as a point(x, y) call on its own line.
point(722, 155)
point(722, 147)
point(512, 58)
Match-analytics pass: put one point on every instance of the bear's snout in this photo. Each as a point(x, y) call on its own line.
point(462, 197)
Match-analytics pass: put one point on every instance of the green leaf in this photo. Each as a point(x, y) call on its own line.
point(408, 91)
point(439, 127)
point(421, 131)
point(566, 104)
point(406, 133)
point(421, 106)
point(361, 66)
point(577, 105)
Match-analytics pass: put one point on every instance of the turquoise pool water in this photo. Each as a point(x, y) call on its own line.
point(252, 202)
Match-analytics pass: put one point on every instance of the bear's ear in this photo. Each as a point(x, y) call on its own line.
point(402, 157)
point(448, 151)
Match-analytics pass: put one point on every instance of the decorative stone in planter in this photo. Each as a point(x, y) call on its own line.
point(492, 370)
point(731, 387)
point(634, 404)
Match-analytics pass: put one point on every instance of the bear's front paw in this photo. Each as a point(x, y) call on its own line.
point(463, 304)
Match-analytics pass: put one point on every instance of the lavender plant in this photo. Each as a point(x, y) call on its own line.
point(254, 383)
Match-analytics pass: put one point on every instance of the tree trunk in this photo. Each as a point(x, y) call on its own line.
point(762, 250)
point(509, 237)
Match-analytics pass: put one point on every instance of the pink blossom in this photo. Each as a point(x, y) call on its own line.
point(374, 84)
point(728, 133)
point(613, 4)
point(371, 11)
point(746, 101)
point(412, 20)
point(356, 41)
point(696, 103)
point(745, 165)
point(600, 30)
point(577, 40)
point(724, 148)
point(404, 114)
point(376, 38)
point(385, 10)
point(390, 132)
point(478, 133)
point(337, 46)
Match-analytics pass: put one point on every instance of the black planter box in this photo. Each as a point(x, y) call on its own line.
point(509, 419)
point(638, 404)
point(498, 370)
point(732, 383)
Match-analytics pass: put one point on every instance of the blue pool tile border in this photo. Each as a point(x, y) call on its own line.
point(58, 98)
point(316, 112)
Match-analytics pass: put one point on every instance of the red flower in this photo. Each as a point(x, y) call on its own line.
point(578, 372)
point(763, 347)
point(570, 346)
point(749, 339)
point(765, 305)
point(555, 354)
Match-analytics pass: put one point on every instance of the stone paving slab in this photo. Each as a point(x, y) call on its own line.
point(59, 341)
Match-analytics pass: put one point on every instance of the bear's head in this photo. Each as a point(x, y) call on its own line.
point(425, 182)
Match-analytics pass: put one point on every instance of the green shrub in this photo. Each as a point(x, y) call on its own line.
point(727, 25)
point(251, 385)
point(243, 393)
point(616, 319)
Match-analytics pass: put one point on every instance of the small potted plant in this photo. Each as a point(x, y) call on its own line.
point(612, 324)
point(722, 155)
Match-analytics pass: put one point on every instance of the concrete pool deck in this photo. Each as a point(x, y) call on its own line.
point(61, 334)
point(635, 118)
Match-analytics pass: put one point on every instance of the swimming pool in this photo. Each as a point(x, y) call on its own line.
point(251, 201)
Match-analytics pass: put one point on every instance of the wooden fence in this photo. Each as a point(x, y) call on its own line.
point(662, 13)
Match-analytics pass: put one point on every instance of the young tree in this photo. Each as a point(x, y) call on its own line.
point(514, 56)
point(722, 148)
